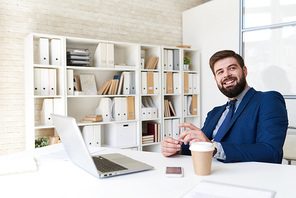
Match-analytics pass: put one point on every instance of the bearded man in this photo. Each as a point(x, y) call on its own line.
point(251, 126)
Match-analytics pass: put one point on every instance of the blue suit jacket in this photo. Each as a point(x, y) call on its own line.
point(257, 130)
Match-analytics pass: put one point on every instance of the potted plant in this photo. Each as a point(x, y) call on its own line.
point(186, 63)
point(40, 142)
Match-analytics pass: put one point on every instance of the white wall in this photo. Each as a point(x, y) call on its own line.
point(211, 27)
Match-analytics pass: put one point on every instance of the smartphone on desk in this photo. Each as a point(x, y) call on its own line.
point(174, 171)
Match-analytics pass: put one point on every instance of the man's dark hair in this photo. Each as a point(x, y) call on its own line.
point(225, 54)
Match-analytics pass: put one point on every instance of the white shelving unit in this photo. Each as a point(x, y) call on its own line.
point(128, 57)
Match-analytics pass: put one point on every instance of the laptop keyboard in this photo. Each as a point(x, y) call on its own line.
point(104, 165)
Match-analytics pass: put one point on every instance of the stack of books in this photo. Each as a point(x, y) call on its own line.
point(146, 139)
point(78, 57)
point(151, 63)
point(91, 118)
point(169, 109)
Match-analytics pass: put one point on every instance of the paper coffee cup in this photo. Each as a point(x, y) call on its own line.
point(202, 153)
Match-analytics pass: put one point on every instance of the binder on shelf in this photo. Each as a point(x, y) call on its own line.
point(190, 83)
point(92, 135)
point(165, 59)
point(37, 81)
point(176, 83)
point(47, 109)
point(144, 82)
point(44, 51)
point(44, 82)
point(142, 63)
point(70, 85)
point(52, 78)
point(168, 128)
point(123, 108)
point(176, 62)
point(189, 105)
point(130, 108)
point(88, 135)
point(132, 83)
point(58, 107)
point(116, 109)
point(194, 83)
point(169, 83)
point(100, 55)
point(126, 83)
point(144, 111)
point(150, 87)
point(148, 109)
point(55, 51)
point(104, 109)
point(156, 82)
point(175, 128)
point(186, 85)
point(151, 105)
point(164, 82)
point(170, 59)
point(194, 105)
point(110, 55)
point(185, 106)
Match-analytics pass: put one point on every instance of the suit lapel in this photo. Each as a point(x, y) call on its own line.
point(240, 109)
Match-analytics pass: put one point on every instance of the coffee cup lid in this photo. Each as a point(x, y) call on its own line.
point(201, 146)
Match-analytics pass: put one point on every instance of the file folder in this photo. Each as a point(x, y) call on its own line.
point(97, 135)
point(44, 82)
point(150, 87)
point(70, 83)
point(126, 83)
point(58, 107)
point(110, 55)
point(44, 51)
point(186, 85)
point(169, 87)
point(37, 81)
point(123, 108)
point(176, 83)
point(144, 82)
point(47, 109)
point(130, 108)
point(88, 135)
point(189, 105)
point(55, 52)
point(190, 83)
point(194, 84)
point(170, 59)
point(165, 59)
point(116, 109)
point(175, 128)
point(132, 83)
point(185, 107)
point(176, 62)
point(52, 82)
point(100, 55)
point(194, 105)
point(104, 109)
point(156, 83)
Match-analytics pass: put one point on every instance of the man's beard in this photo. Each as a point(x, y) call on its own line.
point(232, 92)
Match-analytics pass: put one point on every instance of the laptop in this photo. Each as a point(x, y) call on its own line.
point(100, 166)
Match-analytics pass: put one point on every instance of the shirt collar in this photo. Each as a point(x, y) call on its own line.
point(240, 97)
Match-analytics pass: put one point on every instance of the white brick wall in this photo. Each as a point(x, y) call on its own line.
point(139, 21)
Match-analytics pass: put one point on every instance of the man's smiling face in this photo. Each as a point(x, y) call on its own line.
point(230, 77)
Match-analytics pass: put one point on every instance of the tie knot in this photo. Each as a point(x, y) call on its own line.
point(232, 102)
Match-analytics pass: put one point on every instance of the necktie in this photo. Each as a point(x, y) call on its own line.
point(222, 130)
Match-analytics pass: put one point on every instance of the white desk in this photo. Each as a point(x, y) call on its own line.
point(61, 178)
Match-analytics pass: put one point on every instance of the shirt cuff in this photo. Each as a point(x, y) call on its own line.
point(220, 152)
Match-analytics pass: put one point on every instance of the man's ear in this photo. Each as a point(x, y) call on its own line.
point(245, 70)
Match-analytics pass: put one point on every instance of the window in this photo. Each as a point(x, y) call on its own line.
point(268, 45)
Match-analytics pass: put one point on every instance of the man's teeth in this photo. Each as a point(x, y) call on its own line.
point(229, 82)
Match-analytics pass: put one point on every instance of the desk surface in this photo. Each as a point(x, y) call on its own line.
point(57, 176)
